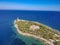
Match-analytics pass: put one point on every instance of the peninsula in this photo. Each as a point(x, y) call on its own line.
point(37, 30)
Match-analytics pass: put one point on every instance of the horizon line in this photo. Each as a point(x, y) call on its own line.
point(25, 10)
point(14, 6)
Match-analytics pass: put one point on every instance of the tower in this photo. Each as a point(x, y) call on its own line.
point(18, 19)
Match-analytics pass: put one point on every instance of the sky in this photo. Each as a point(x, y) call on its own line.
point(50, 5)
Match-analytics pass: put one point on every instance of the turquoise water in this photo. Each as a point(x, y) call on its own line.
point(28, 40)
point(9, 35)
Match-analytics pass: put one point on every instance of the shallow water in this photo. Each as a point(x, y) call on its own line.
point(28, 40)
point(8, 34)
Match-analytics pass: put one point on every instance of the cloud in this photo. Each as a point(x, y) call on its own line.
point(14, 6)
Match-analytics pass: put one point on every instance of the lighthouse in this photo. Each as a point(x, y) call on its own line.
point(18, 19)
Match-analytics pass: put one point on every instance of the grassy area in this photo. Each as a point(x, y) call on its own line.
point(58, 43)
point(43, 31)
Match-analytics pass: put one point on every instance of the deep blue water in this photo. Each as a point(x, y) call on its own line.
point(50, 18)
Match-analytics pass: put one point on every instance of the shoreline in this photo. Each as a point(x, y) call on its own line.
point(27, 34)
point(55, 30)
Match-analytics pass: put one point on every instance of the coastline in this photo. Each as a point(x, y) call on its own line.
point(55, 30)
point(27, 34)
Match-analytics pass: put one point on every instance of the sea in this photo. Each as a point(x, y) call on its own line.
point(8, 33)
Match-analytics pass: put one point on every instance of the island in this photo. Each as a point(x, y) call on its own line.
point(38, 30)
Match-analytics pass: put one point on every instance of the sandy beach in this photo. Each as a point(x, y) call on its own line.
point(27, 34)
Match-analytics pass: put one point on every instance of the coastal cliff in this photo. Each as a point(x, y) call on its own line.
point(37, 30)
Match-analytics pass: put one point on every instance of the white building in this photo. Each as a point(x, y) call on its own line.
point(18, 19)
point(34, 27)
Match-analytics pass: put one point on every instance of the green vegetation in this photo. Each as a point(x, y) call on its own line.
point(58, 43)
point(43, 31)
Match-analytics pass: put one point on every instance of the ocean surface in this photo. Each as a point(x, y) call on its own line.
point(9, 35)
